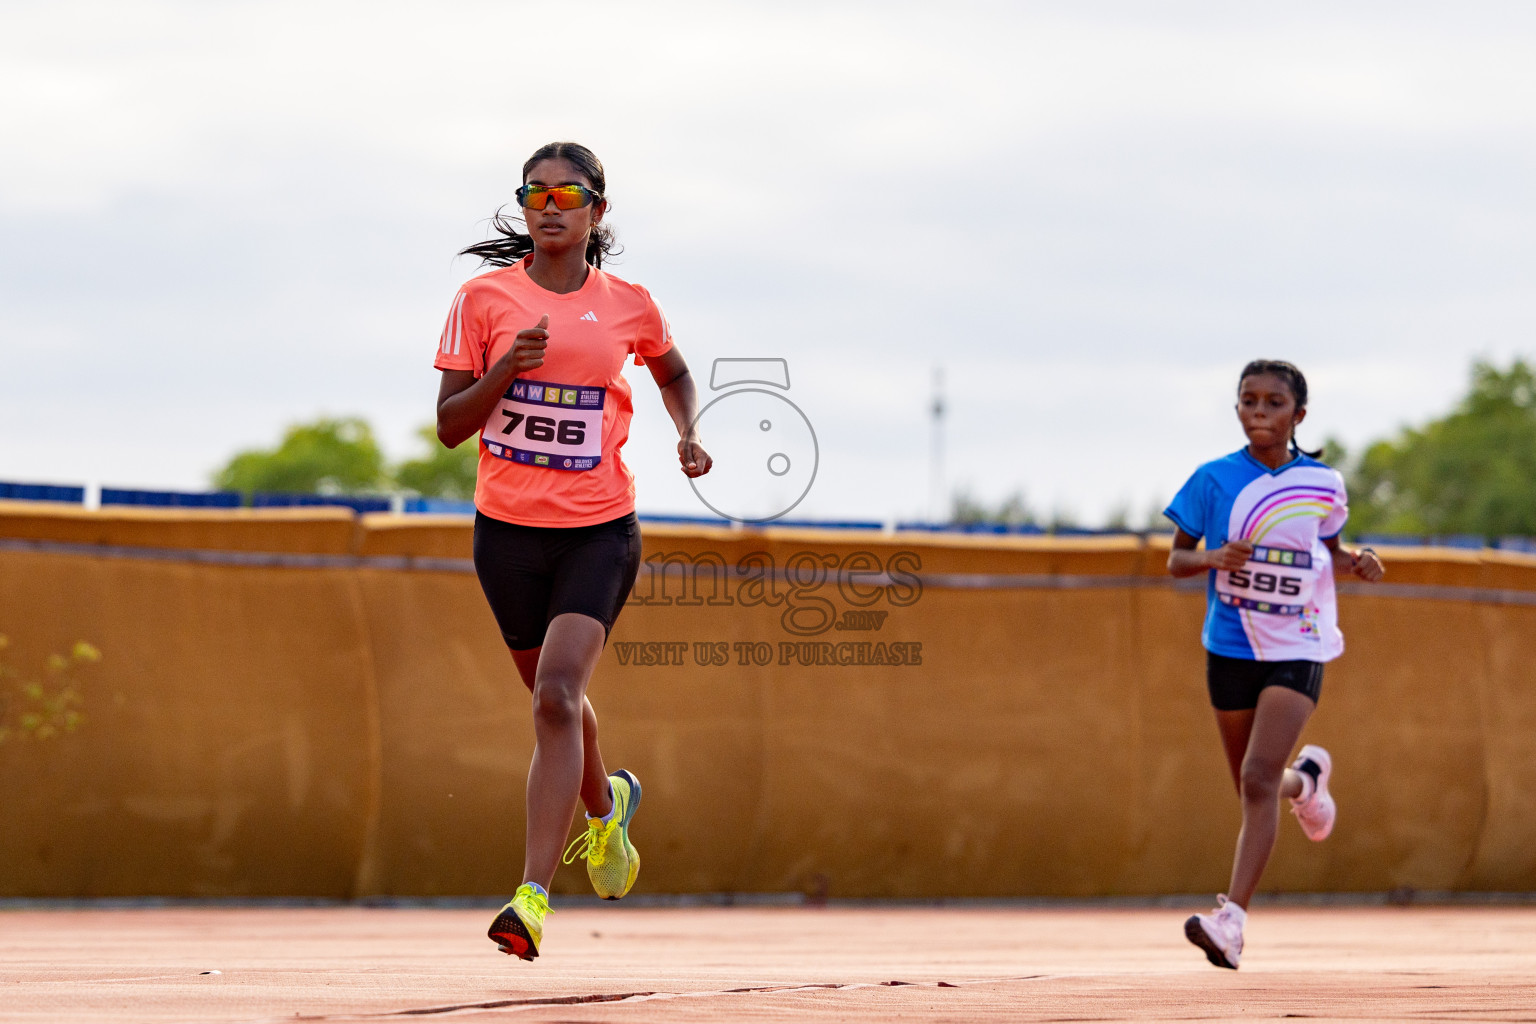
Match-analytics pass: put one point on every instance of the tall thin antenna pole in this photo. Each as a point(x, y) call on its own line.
point(936, 505)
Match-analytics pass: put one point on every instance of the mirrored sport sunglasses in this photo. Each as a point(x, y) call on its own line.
point(566, 197)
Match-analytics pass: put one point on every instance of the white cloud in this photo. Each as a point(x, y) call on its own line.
point(234, 216)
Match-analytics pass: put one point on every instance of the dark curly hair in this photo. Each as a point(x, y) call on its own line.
point(1293, 379)
point(513, 244)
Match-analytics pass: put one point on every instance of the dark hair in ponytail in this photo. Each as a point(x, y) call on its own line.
point(513, 244)
point(1293, 379)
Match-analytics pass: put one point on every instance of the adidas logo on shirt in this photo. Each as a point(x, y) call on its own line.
point(590, 316)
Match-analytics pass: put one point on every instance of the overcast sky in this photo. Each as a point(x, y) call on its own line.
point(217, 219)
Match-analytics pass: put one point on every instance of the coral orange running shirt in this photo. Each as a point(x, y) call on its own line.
point(549, 454)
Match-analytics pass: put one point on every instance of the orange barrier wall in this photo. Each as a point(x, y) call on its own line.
point(312, 704)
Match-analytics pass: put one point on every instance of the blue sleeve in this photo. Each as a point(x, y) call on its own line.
point(1188, 507)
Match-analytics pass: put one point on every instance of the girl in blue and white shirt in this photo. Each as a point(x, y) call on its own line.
point(1271, 517)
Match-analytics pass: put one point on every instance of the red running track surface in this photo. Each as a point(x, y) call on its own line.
point(897, 964)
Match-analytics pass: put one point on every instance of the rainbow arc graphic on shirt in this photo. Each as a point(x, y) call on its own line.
point(1284, 505)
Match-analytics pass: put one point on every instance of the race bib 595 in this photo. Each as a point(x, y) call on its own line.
point(542, 424)
point(1277, 581)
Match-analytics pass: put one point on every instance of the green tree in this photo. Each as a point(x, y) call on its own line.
point(966, 508)
point(1471, 472)
point(441, 472)
point(326, 456)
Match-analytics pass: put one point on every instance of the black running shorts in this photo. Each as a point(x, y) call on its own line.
point(530, 574)
point(1235, 683)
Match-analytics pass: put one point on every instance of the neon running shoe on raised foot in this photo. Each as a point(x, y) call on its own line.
point(1220, 934)
point(519, 928)
point(1317, 811)
point(613, 863)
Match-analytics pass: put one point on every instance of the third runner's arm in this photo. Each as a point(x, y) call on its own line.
point(681, 398)
point(464, 403)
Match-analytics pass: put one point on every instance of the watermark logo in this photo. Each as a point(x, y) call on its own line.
point(764, 448)
point(830, 607)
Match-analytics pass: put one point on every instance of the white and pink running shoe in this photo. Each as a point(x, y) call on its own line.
point(1220, 934)
point(1314, 809)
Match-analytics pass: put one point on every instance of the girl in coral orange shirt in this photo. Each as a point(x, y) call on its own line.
point(531, 360)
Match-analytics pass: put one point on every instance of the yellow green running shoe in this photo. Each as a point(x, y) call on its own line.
point(519, 928)
point(612, 860)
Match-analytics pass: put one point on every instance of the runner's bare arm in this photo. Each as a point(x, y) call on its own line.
point(1186, 560)
point(1363, 563)
point(681, 398)
point(464, 403)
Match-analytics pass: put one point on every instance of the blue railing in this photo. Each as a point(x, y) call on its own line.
point(41, 492)
point(1000, 529)
point(119, 496)
point(170, 499)
point(440, 506)
point(201, 499)
point(357, 503)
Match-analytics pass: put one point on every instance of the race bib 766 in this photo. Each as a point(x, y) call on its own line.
point(539, 423)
